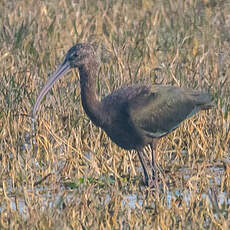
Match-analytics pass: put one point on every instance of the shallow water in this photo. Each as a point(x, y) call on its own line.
point(58, 199)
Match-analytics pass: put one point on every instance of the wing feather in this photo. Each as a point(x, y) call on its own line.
point(161, 109)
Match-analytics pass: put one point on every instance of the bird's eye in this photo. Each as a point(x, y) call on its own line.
point(73, 55)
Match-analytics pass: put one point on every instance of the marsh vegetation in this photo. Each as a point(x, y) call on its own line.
point(69, 175)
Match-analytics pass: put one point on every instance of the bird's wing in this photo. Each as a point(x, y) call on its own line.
point(160, 109)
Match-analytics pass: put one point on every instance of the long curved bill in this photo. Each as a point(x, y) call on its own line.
point(61, 70)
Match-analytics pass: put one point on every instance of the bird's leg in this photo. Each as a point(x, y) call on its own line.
point(153, 147)
point(153, 164)
point(156, 170)
point(144, 166)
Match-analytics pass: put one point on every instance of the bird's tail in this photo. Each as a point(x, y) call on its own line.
point(203, 100)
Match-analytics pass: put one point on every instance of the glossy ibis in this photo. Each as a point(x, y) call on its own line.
point(132, 117)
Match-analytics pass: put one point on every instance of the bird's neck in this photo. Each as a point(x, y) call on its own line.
point(90, 103)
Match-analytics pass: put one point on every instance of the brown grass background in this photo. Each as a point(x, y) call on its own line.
point(70, 175)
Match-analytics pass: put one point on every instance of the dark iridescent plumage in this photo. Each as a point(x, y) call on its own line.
point(132, 117)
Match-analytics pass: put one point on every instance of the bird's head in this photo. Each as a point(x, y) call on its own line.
point(77, 56)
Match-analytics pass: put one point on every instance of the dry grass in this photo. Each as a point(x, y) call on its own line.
point(71, 176)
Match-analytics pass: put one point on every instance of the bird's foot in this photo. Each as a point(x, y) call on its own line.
point(153, 184)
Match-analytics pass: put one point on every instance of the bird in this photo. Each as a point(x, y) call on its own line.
point(134, 116)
